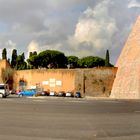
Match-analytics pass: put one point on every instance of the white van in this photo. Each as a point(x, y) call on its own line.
point(4, 90)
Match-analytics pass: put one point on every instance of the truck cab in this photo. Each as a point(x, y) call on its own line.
point(4, 90)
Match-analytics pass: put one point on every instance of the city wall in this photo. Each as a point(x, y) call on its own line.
point(96, 82)
point(49, 79)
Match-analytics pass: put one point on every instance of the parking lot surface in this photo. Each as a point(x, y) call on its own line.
point(56, 118)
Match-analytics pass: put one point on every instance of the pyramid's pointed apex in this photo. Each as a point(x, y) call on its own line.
point(133, 42)
point(138, 17)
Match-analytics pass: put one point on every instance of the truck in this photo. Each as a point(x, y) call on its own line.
point(4, 90)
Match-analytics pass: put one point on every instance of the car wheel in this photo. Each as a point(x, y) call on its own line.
point(1, 95)
point(20, 95)
point(4, 96)
point(34, 95)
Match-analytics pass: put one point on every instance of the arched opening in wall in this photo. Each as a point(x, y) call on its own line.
point(22, 85)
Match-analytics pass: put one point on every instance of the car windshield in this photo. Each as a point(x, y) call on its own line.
point(1, 86)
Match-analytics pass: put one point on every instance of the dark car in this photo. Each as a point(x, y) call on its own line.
point(42, 93)
point(77, 95)
point(45, 93)
point(61, 94)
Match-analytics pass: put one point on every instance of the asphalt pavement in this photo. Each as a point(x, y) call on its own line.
point(50, 118)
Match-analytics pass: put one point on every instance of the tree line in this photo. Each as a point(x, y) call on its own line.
point(53, 59)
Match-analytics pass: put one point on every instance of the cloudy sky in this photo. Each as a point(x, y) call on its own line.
point(75, 27)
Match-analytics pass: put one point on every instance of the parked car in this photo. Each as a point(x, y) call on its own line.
point(61, 94)
point(42, 93)
point(52, 93)
point(28, 92)
point(77, 95)
point(45, 93)
point(18, 92)
point(69, 94)
point(4, 90)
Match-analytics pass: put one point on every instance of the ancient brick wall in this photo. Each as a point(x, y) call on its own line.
point(96, 82)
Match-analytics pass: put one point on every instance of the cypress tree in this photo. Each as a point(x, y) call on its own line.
point(20, 63)
point(14, 58)
point(4, 54)
point(107, 59)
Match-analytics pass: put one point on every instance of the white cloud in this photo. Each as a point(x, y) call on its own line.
point(51, 47)
point(94, 29)
point(134, 4)
point(33, 46)
point(93, 25)
point(11, 44)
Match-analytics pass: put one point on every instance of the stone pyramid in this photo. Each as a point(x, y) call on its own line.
point(127, 82)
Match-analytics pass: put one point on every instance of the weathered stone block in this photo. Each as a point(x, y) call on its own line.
point(127, 81)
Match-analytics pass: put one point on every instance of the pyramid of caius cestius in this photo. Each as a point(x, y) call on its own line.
point(127, 82)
